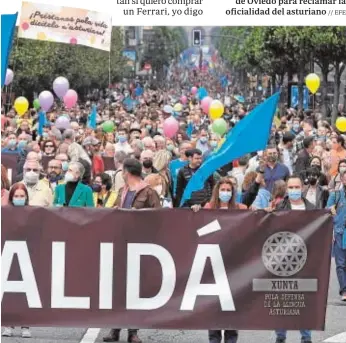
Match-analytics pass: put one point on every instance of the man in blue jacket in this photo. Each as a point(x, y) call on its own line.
point(337, 204)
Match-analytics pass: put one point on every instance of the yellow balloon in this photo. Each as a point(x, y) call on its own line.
point(313, 82)
point(216, 109)
point(21, 105)
point(178, 107)
point(341, 124)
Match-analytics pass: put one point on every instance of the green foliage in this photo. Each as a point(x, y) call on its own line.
point(37, 63)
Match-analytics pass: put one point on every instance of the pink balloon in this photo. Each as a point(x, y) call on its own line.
point(183, 100)
point(170, 127)
point(70, 98)
point(205, 104)
point(194, 90)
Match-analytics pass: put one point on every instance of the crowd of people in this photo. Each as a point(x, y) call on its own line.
point(302, 168)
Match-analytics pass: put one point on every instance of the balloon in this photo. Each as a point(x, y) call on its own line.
point(70, 98)
point(216, 109)
point(178, 107)
point(313, 82)
point(36, 104)
point(341, 124)
point(202, 93)
point(62, 123)
point(170, 127)
point(205, 104)
point(183, 100)
point(46, 100)
point(219, 126)
point(21, 105)
point(108, 126)
point(194, 90)
point(9, 76)
point(61, 86)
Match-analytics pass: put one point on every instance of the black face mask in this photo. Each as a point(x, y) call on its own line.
point(96, 188)
point(147, 164)
point(312, 180)
point(319, 168)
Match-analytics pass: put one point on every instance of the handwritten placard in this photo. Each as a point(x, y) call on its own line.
point(65, 25)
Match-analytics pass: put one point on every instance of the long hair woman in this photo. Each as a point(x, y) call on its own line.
point(18, 196)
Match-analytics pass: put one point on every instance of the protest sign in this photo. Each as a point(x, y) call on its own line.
point(65, 25)
point(165, 269)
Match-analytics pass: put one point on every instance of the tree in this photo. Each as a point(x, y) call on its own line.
point(37, 63)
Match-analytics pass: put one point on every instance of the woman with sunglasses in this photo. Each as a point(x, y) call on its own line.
point(48, 148)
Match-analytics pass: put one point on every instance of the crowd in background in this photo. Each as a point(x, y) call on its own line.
point(302, 168)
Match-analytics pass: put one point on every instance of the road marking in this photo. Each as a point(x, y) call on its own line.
point(90, 335)
point(209, 228)
point(340, 338)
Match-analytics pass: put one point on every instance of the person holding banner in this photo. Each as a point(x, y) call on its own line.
point(18, 196)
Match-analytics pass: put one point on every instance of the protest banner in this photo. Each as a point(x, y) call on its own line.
point(65, 25)
point(165, 269)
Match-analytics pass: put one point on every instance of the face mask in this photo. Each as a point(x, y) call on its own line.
point(158, 189)
point(295, 194)
point(96, 188)
point(296, 127)
point(147, 164)
point(213, 144)
point(225, 196)
point(272, 158)
point(170, 147)
point(18, 202)
point(64, 165)
point(69, 177)
point(317, 166)
point(160, 131)
point(12, 143)
point(45, 135)
point(122, 139)
point(31, 178)
point(203, 140)
point(148, 127)
point(312, 180)
point(22, 144)
point(342, 169)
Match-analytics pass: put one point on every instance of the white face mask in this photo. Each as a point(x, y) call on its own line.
point(158, 189)
point(69, 177)
point(31, 177)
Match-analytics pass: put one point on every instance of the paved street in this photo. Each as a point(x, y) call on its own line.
point(335, 330)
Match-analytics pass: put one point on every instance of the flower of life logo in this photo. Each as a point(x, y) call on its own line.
point(284, 254)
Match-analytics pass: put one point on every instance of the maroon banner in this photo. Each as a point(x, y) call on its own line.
point(165, 269)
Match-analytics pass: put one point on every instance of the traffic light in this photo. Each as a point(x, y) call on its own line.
point(197, 39)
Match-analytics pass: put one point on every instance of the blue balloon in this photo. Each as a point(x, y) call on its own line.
point(202, 93)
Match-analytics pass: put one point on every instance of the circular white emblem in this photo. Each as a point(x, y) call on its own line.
point(284, 253)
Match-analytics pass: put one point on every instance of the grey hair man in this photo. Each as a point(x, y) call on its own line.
point(75, 151)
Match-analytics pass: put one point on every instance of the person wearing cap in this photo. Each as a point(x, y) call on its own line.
point(135, 133)
point(91, 145)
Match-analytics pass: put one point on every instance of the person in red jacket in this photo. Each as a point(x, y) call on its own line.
point(92, 147)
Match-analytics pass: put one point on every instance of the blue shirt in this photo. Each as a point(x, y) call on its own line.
point(9, 151)
point(279, 172)
point(174, 168)
point(338, 198)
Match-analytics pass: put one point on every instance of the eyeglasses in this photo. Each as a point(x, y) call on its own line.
point(49, 146)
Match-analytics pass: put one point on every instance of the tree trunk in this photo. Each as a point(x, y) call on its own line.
point(337, 83)
point(324, 89)
point(273, 82)
point(301, 86)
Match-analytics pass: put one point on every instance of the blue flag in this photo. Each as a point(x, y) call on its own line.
point(41, 122)
point(256, 125)
point(189, 129)
point(8, 24)
point(92, 118)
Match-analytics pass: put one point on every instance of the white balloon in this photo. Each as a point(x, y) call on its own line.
point(9, 76)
